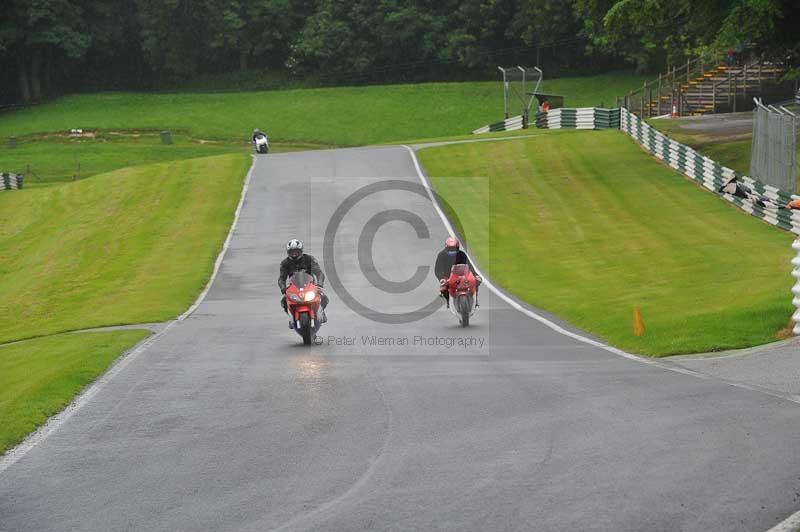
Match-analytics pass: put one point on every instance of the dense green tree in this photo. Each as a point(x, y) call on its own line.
point(337, 41)
point(50, 45)
point(40, 35)
point(657, 32)
point(545, 21)
point(247, 32)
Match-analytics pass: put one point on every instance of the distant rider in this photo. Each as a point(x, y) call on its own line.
point(258, 133)
point(298, 261)
point(446, 259)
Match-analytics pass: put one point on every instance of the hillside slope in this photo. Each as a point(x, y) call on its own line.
point(344, 116)
point(586, 225)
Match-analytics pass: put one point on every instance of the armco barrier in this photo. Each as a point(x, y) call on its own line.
point(578, 118)
point(10, 181)
point(796, 287)
point(762, 201)
point(562, 118)
point(509, 124)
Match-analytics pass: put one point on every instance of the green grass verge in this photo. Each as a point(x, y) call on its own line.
point(135, 245)
point(48, 160)
point(40, 377)
point(586, 225)
point(471, 137)
point(345, 116)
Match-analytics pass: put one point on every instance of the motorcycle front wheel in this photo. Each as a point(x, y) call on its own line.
point(463, 306)
point(305, 328)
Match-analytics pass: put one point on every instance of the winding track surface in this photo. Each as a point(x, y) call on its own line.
point(227, 423)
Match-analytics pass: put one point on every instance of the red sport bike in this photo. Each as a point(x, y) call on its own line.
point(463, 289)
point(303, 301)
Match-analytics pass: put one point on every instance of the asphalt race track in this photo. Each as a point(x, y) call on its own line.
point(226, 422)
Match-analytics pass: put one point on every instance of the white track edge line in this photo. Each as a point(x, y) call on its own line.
point(225, 245)
point(554, 326)
point(790, 524)
point(53, 423)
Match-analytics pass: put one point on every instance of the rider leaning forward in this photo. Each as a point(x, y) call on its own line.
point(445, 260)
point(297, 261)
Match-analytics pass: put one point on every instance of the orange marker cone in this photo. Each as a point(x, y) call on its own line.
point(638, 322)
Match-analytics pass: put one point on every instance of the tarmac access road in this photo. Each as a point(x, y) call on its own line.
point(226, 422)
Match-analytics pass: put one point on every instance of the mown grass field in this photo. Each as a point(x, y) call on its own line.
point(56, 159)
point(53, 158)
point(345, 116)
point(135, 245)
point(594, 226)
point(131, 246)
point(38, 378)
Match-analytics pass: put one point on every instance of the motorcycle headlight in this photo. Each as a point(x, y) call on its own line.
point(310, 295)
point(295, 297)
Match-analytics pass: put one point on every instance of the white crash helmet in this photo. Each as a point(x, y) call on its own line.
point(294, 249)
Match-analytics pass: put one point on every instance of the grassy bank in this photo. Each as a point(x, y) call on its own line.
point(595, 226)
point(38, 378)
point(52, 159)
point(131, 246)
point(333, 116)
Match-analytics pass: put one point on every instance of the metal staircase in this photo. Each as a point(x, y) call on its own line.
point(703, 86)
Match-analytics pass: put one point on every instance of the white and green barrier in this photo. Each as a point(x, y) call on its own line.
point(561, 118)
point(10, 181)
point(578, 118)
point(509, 124)
point(796, 287)
point(762, 201)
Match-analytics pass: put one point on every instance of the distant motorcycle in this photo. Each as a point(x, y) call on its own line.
point(463, 289)
point(261, 143)
point(303, 301)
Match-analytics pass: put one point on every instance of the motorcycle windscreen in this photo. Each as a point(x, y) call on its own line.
point(301, 279)
point(460, 269)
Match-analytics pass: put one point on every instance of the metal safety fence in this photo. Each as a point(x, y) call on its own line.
point(774, 151)
point(765, 202)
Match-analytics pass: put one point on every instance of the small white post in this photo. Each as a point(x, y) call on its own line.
point(796, 287)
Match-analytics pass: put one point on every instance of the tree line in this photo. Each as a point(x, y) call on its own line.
point(48, 47)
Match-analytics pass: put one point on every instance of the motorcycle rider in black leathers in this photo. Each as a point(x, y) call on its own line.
point(298, 261)
point(446, 259)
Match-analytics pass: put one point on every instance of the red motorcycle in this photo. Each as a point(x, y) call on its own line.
point(463, 289)
point(303, 300)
